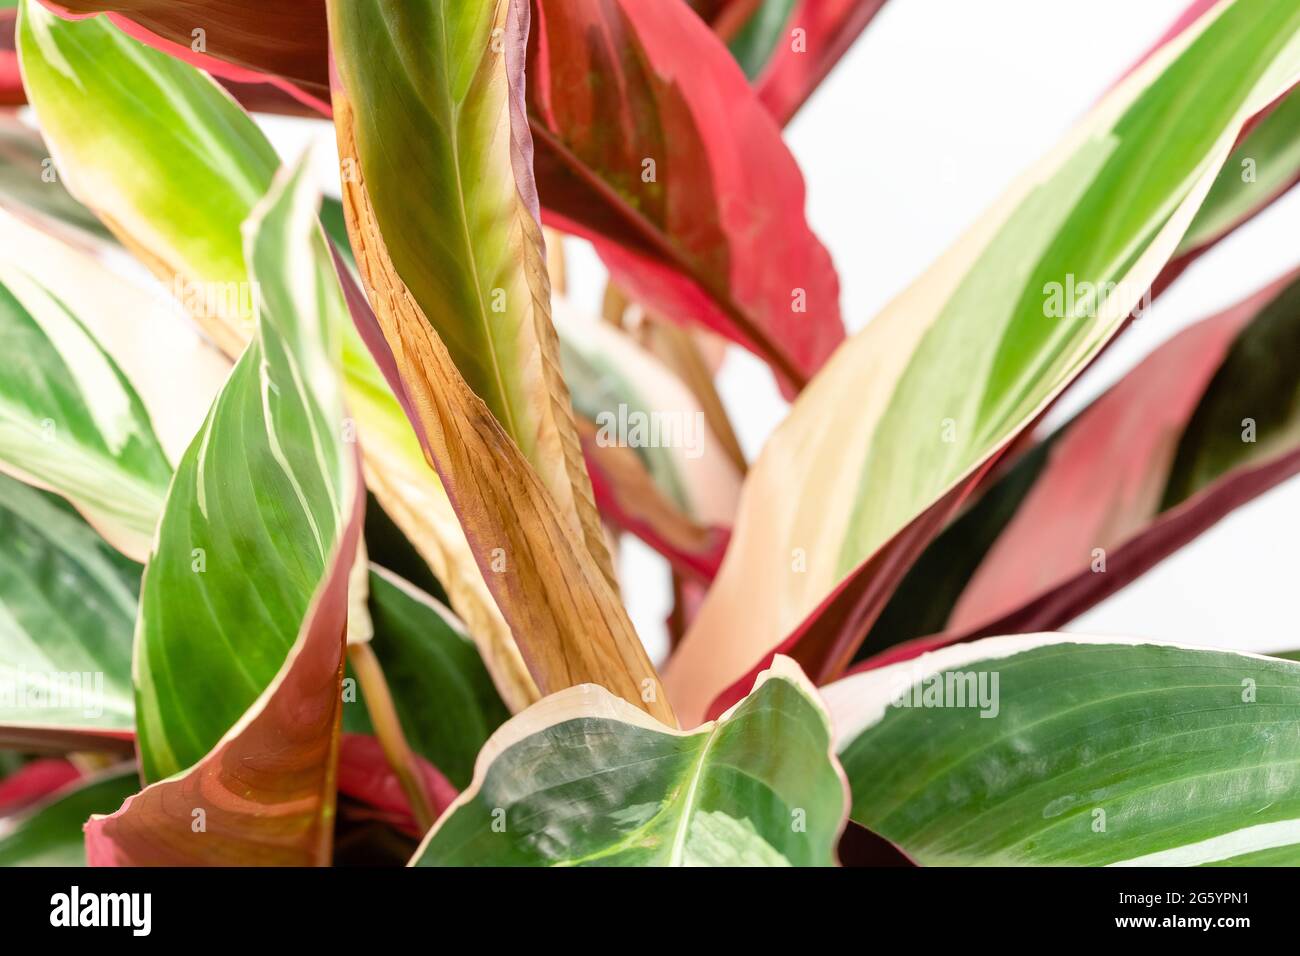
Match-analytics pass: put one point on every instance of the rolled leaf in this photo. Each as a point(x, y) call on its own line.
point(581, 778)
point(260, 528)
point(193, 157)
point(912, 410)
point(671, 167)
point(49, 834)
point(433, 110)
point(258, 510)
point(67, 609)
point(537, 555)
point(1208, 421)
point(1054, 749)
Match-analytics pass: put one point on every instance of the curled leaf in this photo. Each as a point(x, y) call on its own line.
point(537, 552)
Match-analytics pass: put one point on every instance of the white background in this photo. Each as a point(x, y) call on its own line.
point(933, 112)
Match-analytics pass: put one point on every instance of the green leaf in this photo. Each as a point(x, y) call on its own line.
point(244, 606)
point(50, 834)
point(445, 699)
point(582, 778)
point(69, 419)
point(256, 509)
point(67, 608)
point(1058, 749)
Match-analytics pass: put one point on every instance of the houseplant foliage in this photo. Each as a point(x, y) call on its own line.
point(307, 501)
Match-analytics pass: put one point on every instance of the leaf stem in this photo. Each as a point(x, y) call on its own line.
point(388, 730)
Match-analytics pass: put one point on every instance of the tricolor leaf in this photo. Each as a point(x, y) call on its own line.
point(249, 41)
point(1205, 423)
point(1265, 164)
point(910, 412)
point(259, 510)
point(91, 413)
point(583, 779)
point(69, 419)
